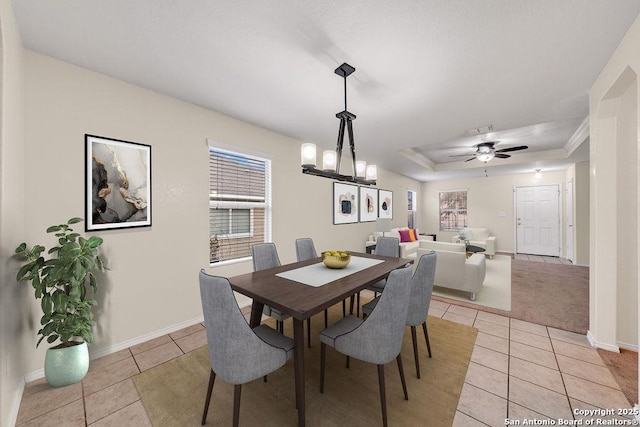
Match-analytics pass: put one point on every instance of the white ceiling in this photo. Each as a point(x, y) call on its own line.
point(426, 71)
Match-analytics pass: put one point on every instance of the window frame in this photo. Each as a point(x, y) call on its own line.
point(456, 210)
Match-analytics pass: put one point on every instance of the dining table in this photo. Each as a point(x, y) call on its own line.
point(305, 288)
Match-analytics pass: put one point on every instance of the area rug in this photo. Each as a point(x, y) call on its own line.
point(496, 290)
point(173, 393)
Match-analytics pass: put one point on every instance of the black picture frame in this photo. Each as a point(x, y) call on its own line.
point(117, 184)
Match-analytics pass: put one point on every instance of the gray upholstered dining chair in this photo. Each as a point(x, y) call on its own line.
point(265, 255)
point(238, 353)
point(376, 339)
point(421, 290)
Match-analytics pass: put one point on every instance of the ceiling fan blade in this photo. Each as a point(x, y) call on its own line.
point(506, 150)
point(502, 156)
point(462, 155)
point(468, 160)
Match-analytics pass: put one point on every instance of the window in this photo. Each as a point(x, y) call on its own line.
point(239, 204)
point(453, 210)
point(411, 209)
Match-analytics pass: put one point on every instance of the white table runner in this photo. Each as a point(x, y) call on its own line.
point(319, 274)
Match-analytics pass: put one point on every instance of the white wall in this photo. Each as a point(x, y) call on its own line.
point(152, 284)
point(490, 203)
point(615, 238)
point(13, 343)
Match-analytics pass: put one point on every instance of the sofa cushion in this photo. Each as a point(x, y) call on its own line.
point(413, 235)
point(479, 234)
point(443, 246)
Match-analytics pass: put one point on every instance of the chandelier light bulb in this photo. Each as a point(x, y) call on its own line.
point(361, 168)
point(308, 155)
point(372, 172)
point(329, 160)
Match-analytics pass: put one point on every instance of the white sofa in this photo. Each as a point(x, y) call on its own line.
point(479, 237)
point(453, 269)
point(407, 249)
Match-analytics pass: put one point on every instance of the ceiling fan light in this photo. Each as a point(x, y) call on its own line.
point(308, 155)
point(329, 160)
point(485, 156)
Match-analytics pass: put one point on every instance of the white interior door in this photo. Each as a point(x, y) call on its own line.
point(569, 221)
point(538, 220)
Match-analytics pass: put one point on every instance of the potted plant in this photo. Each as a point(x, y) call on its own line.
point(61, 283)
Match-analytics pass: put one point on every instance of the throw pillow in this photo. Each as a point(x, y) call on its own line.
point(404, 236)
point(413, 234)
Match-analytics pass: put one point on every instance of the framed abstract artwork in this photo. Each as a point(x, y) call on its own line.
point(385, 204)
point(345, 203)
point(117, 184)
point(368, 204)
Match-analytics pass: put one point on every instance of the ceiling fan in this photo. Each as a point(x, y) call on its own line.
point(486, 151)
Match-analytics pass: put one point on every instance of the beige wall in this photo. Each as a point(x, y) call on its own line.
point(614, 121)
point(490, 203)
point(13, 342)
point(151, 286)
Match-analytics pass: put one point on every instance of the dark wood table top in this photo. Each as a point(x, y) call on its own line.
point(302, 301)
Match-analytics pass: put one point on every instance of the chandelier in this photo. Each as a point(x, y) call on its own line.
point(362, 173)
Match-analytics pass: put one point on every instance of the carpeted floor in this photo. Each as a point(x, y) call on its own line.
point(553, 295)
point(173, 393)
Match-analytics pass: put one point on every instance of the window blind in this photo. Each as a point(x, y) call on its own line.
point(239, 203)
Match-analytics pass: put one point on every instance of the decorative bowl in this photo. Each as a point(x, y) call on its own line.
point(336, 261)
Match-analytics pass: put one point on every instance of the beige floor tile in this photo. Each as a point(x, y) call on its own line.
point(594, 394)
point(488, 379)
point(536, 374)
point(552, 260)
point(71, 415)
point(520, 413)
point(463, 420)
point(570, 337)
point(533, 340)
point(186, 331)
point(539, 399)
point(47, 400)
point(535, 258)
point(533, 328)
point(577, 352)
point(463, 311)
point(112, 374)
point(587, 371)
point(491, 359)
point(492, 328)
point(458, 318)
point(440, 305)
point(111, 399)
point(493, 318)
point(436, 312)
point(482, 405)
point(157, 355)
point(147, 345)
point(132, 415)
point(521, 257)
point(533, 354)
point(191, 342)
point(35, 386)
point(109, 359)
point(492, 342)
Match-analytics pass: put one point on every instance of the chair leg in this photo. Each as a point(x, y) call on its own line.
point(404, 382)
point(212, 379)
point(351, 301)
point(236, 404)
point(415, 350)
point(344, 308)
point(326, 317)
point(426, 336)
point(323, 353)
point(348, 360)
point(383, 397)
point(309, 332)
point(358, 309)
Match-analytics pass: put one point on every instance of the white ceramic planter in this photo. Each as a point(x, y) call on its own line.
point(67, 365)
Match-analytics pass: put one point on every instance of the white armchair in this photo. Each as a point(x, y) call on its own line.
point(453, 269)
point(479, 237)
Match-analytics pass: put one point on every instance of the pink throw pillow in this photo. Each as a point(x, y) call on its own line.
point(404, 236)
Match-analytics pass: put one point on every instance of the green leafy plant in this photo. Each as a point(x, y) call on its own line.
point(61, 283)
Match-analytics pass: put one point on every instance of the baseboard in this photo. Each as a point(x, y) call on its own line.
point(15, 408)
point(594, 343)
point(627, 346)
point(36, 375)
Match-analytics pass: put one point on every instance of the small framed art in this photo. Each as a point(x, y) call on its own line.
point(117, 184)
point(368, 204)
point(385, 204)
point(345, 203)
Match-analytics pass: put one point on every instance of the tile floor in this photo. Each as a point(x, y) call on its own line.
point(518, 370)
point(538, 258)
